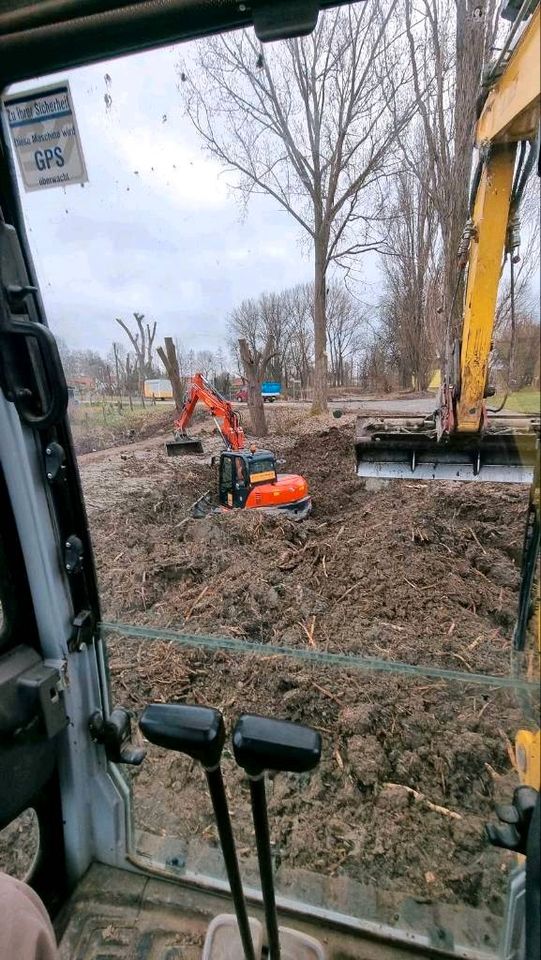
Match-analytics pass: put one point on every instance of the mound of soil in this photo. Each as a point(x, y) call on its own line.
point(418, 573)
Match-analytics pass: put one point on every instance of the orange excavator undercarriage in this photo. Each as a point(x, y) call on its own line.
point(247, 477)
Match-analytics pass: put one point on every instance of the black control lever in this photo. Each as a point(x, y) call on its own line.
point(199, 732)
point(261, 744)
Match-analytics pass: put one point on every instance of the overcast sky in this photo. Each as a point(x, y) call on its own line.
point(156, 229)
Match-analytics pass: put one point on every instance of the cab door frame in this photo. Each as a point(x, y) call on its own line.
point(234, 492)
point(50, 521)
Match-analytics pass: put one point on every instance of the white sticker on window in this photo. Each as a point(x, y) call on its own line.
point(45, 137)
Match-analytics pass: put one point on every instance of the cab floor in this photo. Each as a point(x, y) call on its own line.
point(119, 915)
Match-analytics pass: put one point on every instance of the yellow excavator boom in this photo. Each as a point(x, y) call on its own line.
point(490, 217)
point(458, 442)
point(510, 114)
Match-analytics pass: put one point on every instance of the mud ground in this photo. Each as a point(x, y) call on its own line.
point(418, 573)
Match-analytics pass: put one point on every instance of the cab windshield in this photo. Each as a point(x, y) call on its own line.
point(280, 212)
point(263, 469)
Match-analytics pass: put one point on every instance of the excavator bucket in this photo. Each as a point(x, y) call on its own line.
point(182, 445)
point(202, 506)
point(408, 448)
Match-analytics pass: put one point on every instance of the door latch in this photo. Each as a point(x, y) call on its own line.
point(115, 735)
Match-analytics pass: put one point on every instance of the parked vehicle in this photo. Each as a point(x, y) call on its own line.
point(271, 390)
point(159, 389)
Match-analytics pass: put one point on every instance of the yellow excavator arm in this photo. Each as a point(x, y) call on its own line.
point(458, 442)
point(511, 113)
point(489, 232)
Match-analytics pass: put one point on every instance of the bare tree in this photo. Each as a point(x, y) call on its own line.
point(118, 369)
point(410, 292)
point(274, 323)
point(255, 364)
point(285, 320)
point(142, 341)
point(378, 365)
point(515, 358)
point(168, 356)
point(258, 322)
point(299, 304)
point(205, 363)
point(311, 123)
point(344, 330)
point(525, 263)
point(244, 322)
point(448, 47)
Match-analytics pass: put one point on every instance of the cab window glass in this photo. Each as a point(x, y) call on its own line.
point(227, 473)
point(386, 618)
point(262, 466)
point(240, 470)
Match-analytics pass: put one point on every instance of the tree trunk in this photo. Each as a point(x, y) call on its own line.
point(141, 378)
point(170, 361)
point(117, 370)
point(254, 371)
point(472, 33)
point(319, 402)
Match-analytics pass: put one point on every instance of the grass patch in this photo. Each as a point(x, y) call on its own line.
point(524, 401)
point(109, 414)
point(96, 426)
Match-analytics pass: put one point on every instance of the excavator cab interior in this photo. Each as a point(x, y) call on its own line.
point(115, 832)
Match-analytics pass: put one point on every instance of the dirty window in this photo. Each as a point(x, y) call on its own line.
point(385, 619)
point(227, 474)
point(262, 466)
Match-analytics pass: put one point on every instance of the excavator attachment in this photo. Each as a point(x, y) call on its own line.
point(408, 448)
point(202, 506)
point(183, 444)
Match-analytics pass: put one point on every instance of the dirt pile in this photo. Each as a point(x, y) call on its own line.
point(413, 573)
point(424, 573)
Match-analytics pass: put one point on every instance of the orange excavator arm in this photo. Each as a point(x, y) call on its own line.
point(227, 420)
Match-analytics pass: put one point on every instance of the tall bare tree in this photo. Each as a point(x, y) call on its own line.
point(409, 302)
point(448, 46)
point(299, 302)
point(168, 356)
point(255, 363)
point(311, 123)
point(344, 330)
point(260, 321)
point(142, 341)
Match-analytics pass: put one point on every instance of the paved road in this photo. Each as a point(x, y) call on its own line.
point(413, 407)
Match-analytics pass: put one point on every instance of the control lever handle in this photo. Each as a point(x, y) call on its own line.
point(196, 731)
point(260, 743)
point(199, 732)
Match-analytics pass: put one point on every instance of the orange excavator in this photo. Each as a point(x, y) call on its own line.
point(247, 477)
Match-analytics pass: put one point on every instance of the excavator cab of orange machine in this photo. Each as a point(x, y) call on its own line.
point(248, 479)
point(240, 471)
